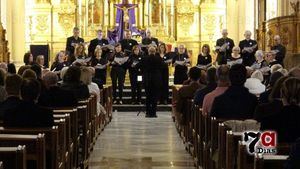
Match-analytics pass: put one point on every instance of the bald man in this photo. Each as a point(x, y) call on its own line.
point(279, 49)
point(73, 40)
point(148, 40)
point(127, 43)
point(224, 47)
point(248, 48)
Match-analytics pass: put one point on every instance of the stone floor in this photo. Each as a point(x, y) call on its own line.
point(135, 142)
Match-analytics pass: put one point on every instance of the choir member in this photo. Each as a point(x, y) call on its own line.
point(248, 48)
point(118, 72)
point(271, 58)
point(204, 58)
point(127, 43)
point(167, 58)
point(40, 61)
point(181, 63)
point(95, 42)
point(59, 62)
point(135, 73)
point(148, 40)
point(72, 41)
point(28, 58)
point(152, 79)
point(279, 49)
point(224, 47)
point(100, 63)
point(260, 63)
point(235, 57)
point(80, 56)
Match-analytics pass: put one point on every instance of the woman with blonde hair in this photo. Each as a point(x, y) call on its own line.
point(100, 63)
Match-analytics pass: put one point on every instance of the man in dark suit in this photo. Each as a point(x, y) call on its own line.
point(236, 102)
point(72, 41)
point(248, 48)
point(127, 43)
point(224, 47)
point(12, 87)
point(97, 41)
point(54, 96)
point(152, 66)
point(148, 40)
point(279, 49)
point(28, 113)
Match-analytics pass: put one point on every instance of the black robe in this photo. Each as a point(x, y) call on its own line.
point(127, 45)
point(94, 43)
point(223, 56)
point(248, 58)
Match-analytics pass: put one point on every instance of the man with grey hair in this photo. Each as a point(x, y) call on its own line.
point(72, 41)
point(279, 49)
point(224, 47)
point(248, 49)
point(54, 96)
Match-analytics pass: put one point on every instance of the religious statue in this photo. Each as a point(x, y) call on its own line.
point(125, 7)
point(295, 6)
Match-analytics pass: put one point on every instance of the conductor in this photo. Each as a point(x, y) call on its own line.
point(152, 66)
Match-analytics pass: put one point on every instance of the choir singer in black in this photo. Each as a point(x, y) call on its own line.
point(248, 48)
point(97, 41)
point(181, 63)
point(152, 65)
point(224, 47)
point(72, 41)
point(278, 49)
point(148, 40)
point(127, 43)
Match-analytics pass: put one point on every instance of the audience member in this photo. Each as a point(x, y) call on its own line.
point(22, 69)
point(29, 74)
point(71, 82)
point(12, 87)
point(223, 84)
point(28, 113)
point(28, 58)
point(3, 66)
point(286, 122)
point(54, 96)
point(236, 102)
point(11, 68)
point(264, 97)
point(2, 82)
point(254, 83)
point(293, 161)
point(295, 72)
point(187, 92)
point(211, 85)
point(263, 111)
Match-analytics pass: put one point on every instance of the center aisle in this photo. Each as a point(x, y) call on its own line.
point(135, 142)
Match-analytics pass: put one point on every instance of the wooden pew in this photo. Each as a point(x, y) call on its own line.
point(206, 141)
point(52, 142)
point(244, 160)
point(74, 148)
point(269, 161)
point(13, 157)
point(35, 145)
point(222, 130)
point(62, 147)
point(232, 148)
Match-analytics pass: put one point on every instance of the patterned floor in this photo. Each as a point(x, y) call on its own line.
point(135, 142)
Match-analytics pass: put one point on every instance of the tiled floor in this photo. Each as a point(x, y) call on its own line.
point(135, 142)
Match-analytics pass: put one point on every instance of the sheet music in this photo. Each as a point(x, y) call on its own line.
point(109, 46)
point(250, 49)
point(223, 47)
point(204, 66)
point(82, 61)
point(168, 61)
point(233, 62)
point(177, 62)
point(120, 60)
point(99, 66)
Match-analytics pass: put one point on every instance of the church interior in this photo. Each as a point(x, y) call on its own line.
point(149, 84)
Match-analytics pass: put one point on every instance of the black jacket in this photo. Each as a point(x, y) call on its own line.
point(286, 124)
point(248, 58)
point(28, 114)
point(265, 110)
point(127, 45)
point(202, 92)
point(57, 97)
point(8, 104)
point(79, 90)
point(223, 56)
point(152, 71)
point(69, 48)
point(280, 54)
point(94, 43)
point(235, 103)
point(204, 60)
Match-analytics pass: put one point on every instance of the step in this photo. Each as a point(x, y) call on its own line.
point(137, 108)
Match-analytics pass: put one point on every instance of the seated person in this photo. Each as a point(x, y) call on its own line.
point(71, 82)
point(187, 91)
point(12, 87)
point(223, 84)
point(286, 123)
point(264, 97)
point(235, 57)
point(263, 111)
point(3, 93)
point(294, 156)
point(254, 83)
point(295, 72)
point(236, 102)
point(211, 85)
point(28, 113)
point(54, 96)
